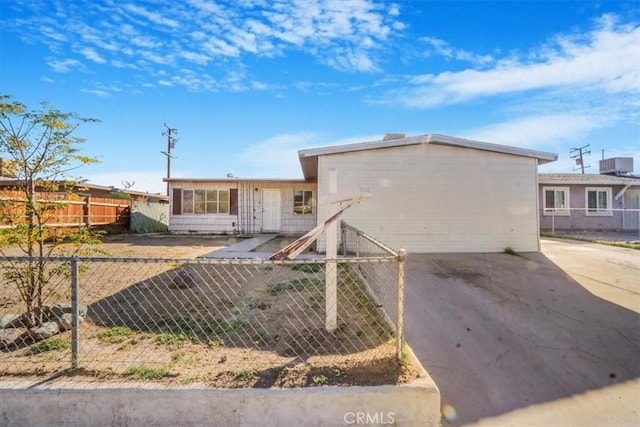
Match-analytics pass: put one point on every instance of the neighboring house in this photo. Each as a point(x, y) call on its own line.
point(242, 206)
point(93, 190)
point(589, 202)
point(429, 193)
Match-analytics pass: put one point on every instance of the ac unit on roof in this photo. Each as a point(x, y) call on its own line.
point(616, 166)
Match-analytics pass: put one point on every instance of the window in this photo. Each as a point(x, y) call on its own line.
point(556, 200)
point(302, 201)
point(599, 201)
point(205, 202)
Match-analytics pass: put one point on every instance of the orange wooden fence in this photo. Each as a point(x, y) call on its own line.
point(72, 210)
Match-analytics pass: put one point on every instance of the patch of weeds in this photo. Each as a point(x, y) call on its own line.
point(215, 343)
point(183, 357)
point(359, 333)
point(510, 251)
point(171, 340)
point(261, 338)
point(235, 324)
point(307, 268)
point(50, 344)
point(343, 326)
point(293, 285)
point(243, 375)
point(105, 375)
point(191, 379)
point(320, 380)
point(338, 372)
point(116, 335)
point(145, 372)
point(225, 303)
point(627, 245)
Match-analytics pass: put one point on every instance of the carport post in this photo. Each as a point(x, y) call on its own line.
point(402, 257)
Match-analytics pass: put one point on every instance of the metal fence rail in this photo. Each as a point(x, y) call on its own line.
point(197, 318)
point(385, 284)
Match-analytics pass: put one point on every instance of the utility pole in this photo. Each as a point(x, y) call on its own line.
point(578, 154)
point(171, 143)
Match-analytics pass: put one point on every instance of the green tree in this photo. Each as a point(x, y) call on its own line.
point(43, 151)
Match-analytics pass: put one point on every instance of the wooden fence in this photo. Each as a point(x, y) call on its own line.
point(73, 211)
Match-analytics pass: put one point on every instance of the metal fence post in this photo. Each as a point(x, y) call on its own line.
point(402, 257)
point(75, 313)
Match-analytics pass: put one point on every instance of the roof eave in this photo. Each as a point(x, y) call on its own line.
point(309, 157)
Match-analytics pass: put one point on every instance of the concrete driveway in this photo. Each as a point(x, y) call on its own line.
point(549, 338)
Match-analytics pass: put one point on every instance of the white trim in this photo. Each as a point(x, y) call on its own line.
point(599, 212)
point(566, 211)
point(544, 157)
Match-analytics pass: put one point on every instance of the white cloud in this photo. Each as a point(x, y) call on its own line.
point(347, 36)
point(97, 92)
point(538, 130)
point(154, 17)
point(64, 65)
point(275, 157)
point(92, 55)
point(444, 49)
point(604, 59)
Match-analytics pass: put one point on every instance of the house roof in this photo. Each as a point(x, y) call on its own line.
point(309, 158)
point(13, 182)
point(235, 179)
point(586, 179)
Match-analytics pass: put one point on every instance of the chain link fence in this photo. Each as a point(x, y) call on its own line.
point(215, 321)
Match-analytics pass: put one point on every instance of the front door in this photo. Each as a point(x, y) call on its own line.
point(631, 218)
point(271, 210)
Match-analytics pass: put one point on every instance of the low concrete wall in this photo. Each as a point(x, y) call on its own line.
point(73, 404)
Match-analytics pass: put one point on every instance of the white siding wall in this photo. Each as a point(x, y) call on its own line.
point(290, 223)
point(431, 198)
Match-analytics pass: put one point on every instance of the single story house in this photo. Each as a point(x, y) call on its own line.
point(589, 202)
point(429, 193)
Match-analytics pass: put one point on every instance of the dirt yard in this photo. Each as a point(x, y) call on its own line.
point(265, 333)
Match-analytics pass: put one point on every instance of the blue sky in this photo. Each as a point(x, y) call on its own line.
point(249, 82)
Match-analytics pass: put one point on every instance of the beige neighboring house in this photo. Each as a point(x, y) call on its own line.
point(429, 193)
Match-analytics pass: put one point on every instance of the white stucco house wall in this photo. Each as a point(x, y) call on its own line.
point(429, 193)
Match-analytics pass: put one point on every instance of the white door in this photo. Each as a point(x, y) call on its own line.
point(270, 210)
point(631, 219)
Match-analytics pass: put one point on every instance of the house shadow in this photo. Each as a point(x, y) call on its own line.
point(499, 332)
point(275, 309)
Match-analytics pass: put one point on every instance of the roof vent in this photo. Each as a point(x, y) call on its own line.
point(391, 136)
point(616, 166)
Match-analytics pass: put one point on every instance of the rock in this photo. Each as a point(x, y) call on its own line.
point(9, 337)
point(10, 321)
point(63, 308)
point(44, 331)
point(65, 321)
point(182, 280)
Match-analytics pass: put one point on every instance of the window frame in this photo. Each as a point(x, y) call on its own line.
point(598, 210)
point(566, 211)
point(206, 204)
point(305, 202)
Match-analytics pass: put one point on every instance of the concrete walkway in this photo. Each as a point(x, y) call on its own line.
point(548, 338)
point(245, 250)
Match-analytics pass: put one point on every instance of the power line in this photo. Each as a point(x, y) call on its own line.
point(578, 154)
point(171, 144)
